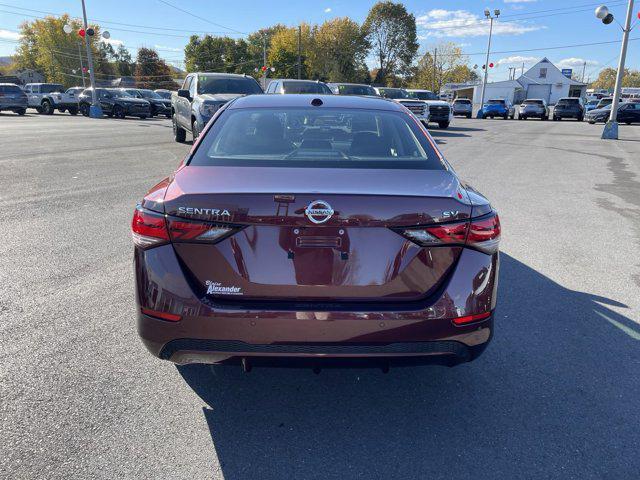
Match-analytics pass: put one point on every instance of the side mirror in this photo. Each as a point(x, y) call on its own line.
point(184, 94)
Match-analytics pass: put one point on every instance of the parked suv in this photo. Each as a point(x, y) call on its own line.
point(352, 89)
point(439, 110)
point(533, 108)
point(568, 107)
point(297, 86)
point(69, 100)
point(13, 98)
point(116, 102)
point(41, 96)
point(158, 104)
point(418, 107)
point(498, 107)
point(463, 107)
point(200, 97)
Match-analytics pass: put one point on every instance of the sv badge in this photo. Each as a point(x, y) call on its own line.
point(450, 214)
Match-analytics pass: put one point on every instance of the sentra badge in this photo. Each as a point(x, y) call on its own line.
point(212, 212)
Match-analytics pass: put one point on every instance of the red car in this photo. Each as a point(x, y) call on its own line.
point(315, 230)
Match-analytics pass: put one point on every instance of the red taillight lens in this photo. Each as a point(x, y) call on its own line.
point(187, 231)
point(148, 228)
point(170, 317)
point(471, 318)
point(482, 234)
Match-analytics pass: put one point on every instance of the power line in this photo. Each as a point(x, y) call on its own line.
point(200, 18)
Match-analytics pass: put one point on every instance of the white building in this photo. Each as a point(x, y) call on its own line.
point(543, 80)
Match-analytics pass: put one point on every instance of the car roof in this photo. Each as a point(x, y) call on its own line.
point(296, 80)
point(418, 90)
point(304, 100)
point(219, 74)
point(349, 83)
point(5, 84)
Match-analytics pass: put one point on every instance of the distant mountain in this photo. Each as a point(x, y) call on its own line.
point(176, 70)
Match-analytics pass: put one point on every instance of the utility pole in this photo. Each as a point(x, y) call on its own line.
point(94, 111)
point(435, 60)
point(84, 84)
point(487, 13)
point(299, 52)
point(610, 131)
point(264, 62)
point(522, 70)
point(584, 66)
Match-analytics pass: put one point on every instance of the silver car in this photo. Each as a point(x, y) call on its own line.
point(462, 106)
point(533, 108)
point(13, 98)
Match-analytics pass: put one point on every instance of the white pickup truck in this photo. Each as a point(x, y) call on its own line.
point(46, 98)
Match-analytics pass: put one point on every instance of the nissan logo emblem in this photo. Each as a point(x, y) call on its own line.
point(319, 211)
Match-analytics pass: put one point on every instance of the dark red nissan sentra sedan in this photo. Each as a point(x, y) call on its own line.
point(319, 230)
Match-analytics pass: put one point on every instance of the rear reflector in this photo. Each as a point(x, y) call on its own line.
point(482, 234)
point(170, 317)
point(188, 231)
point(471, 318)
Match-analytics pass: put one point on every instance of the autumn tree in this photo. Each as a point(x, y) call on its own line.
point(607, 78)
point(444, 63)
point(391, 31)
point(340, 51)
point(217, 54)
point(151, 71)
point(44, 46)
point(283, 54)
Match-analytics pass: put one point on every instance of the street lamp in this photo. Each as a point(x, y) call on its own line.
point(487, 14)
point(610, 131)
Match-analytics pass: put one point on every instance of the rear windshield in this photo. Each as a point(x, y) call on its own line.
point(569, 101)
point(356, 90)
point(165, 95)
point(215, 85)
point(149, 94)
point(462, 100)
point(533, 102)
point(308, 137)
point(10, 89)
point(305, 87)
point(496, 102)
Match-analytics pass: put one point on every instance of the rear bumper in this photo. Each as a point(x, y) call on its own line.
point(567, 114)
point(209, 333)
point(11, 104)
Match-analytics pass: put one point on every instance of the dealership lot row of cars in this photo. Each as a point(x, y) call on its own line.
point(206, 92)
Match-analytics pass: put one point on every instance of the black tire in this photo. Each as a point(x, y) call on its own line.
point(592, 122)
point(505, 117)
point(118, 111)
point(443, 125)
point(195, 132)
point(73, 111)
point(468, 115)
point(47, 108)
point(61, 110)
point(544, 118)
point(168, 115)
point(627, 123)
point(580, 118)
point(179, 134)
point(110, 114)
point(21, 111)
point(143, 117)
point(84, 110)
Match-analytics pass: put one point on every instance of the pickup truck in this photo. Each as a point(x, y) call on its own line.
point(439, 111)
point(200, 97)
point(418, 107)
point(47, 97)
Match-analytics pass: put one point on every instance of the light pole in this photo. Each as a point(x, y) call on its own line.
point(487, 14)
point(610, 131)
point(95, 111)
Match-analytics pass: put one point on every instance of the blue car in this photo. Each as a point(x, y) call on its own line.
point(497, 107)
point(591, 105)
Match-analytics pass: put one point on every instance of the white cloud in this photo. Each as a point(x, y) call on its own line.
point(462, 23)
point(576, 62)
point(517, 60)
point(327, 10)
point(113, 41)
point(169, 49)
point(9, 35)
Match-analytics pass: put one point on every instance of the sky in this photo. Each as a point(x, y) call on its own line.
point(565, 31)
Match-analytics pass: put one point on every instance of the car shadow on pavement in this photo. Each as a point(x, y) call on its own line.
point(554, 396)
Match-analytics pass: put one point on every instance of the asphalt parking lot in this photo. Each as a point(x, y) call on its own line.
point(555, 395)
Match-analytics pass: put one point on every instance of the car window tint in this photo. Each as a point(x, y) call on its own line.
point(10, 89)
point(308, 137)
point(305, 87)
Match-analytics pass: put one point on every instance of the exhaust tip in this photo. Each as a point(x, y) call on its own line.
point(246, 365)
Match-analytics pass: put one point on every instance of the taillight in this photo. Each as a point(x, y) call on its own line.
point(148, 228)
point(480, 233)
point(191, 231)
point(471, 318)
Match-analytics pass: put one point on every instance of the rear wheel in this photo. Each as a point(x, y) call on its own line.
point(580, 118)
point(118, 111)
point(505, 116)
point(46, 107)
point(468, 115)
point(143, 117)
point(443, 124)
point(73, 111)
point(21, 111)
point(179, 134)
point(84, 109)
point(544, 117)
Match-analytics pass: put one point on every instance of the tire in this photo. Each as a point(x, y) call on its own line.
point(581, 118)
point(143, 117)
point(47, 108)
point(194, 130)
point(468, 115)
point(627, 123)
point(84, 110)
point(505, 117)
point(544, 118)
point(61, 110)
point(118, 111)
point(21, 111)
point(592, 122)
point(179, 134)
point(73, 111)
point(443, 125)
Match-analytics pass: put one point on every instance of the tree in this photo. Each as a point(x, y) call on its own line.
point(124, 64)
point(391, 30)
point(151, 71)
point(607, 78)
point(217, 54)
point(445, 63)
point(256, 43)
point(283, 54)
point(340, 51)
point(44, 46)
